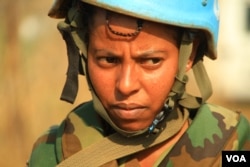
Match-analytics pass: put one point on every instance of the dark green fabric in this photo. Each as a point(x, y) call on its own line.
point(43, 154)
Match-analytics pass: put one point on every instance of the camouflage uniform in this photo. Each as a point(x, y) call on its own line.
point(212, 129)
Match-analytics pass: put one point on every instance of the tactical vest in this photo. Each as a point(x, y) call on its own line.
point(212, 129)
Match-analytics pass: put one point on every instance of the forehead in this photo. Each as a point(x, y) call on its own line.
point(128, 24)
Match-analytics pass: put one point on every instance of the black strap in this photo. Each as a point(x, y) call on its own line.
point(71, 85)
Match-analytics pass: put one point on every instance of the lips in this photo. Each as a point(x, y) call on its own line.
point(127, 110)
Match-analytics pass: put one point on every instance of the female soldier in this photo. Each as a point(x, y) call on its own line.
point(136, 55)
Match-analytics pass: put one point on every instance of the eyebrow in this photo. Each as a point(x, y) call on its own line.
point(150, 52)
point(144, 54)
point(106, 52)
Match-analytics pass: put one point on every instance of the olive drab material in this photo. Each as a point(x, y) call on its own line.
point(211, 130)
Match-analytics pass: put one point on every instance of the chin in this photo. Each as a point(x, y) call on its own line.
point(133, 126)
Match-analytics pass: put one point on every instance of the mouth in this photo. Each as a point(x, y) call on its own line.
point(127, 110)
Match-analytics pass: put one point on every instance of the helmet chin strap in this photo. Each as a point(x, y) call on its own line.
point(203, 82)
point(74, 35)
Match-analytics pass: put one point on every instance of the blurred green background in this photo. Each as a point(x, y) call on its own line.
point(33, 66)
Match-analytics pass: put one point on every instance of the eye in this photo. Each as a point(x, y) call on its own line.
point(150, 62)
point(107, 61)
point(111, 59)
point(154, 60)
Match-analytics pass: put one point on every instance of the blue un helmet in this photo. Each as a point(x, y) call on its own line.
point(194, 16)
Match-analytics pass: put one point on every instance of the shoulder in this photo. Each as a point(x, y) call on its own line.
point(43, 149)
point(47, 150)
point(212, 130)
point(85, 117)
point(226, 122)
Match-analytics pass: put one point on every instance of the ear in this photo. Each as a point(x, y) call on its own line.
point(190, 62)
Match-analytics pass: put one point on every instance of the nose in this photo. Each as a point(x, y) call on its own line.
point(127, 80)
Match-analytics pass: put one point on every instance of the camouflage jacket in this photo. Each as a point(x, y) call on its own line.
point(212, 129)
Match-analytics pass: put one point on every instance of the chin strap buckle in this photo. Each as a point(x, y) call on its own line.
point(153, 127)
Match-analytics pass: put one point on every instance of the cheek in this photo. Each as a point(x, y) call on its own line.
point(162, 81)
point(100, 82)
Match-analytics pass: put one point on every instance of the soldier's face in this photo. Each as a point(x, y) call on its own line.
point(132, 76)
